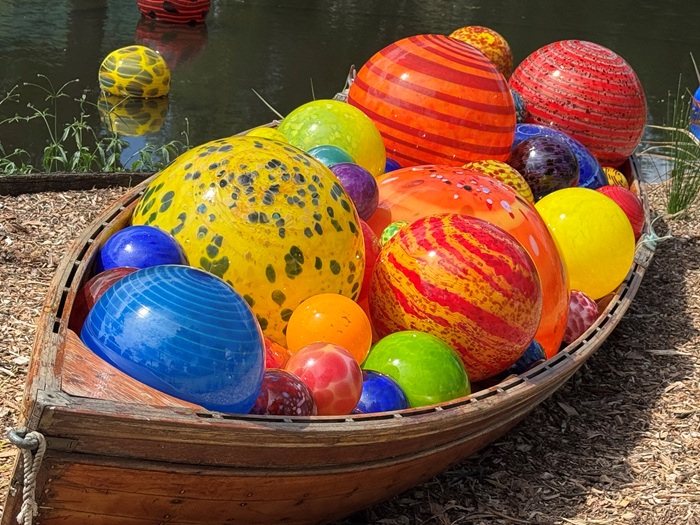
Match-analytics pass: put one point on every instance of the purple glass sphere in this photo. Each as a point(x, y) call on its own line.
point(546, 163)
point(360, 185)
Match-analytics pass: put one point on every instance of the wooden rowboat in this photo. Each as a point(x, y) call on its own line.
point(129, 455)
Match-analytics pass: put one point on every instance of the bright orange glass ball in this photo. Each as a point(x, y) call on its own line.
point(436, 100)
point(330, 318)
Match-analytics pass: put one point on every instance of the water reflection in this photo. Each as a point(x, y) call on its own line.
point(178, 43)
point(290, 52)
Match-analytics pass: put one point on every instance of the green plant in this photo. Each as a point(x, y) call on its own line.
point(76, 146)
point(679, 149)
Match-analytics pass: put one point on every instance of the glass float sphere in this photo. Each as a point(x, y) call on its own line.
point(490, 43)
point(436, 100)
point(135, 71)
point(264, 216)
point(587, 91)
point(175, 11)
point(182, 331)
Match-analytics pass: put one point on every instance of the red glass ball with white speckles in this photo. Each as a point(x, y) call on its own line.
point(583, 311)
point(284, 394)
point(332, 374)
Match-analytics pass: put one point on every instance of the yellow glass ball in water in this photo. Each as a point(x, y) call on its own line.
point(132, 117)
point(331, 122)
point(594, 238)
point(264, 216)
point(135, 71)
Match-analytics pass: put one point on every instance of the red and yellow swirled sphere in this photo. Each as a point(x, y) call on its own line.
point(490, 43)
point(463, 280)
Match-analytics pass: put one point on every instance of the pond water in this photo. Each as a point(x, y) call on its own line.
point(292, 51)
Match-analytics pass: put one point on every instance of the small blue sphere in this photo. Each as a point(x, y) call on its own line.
point(695, 114)
point(533, 354)
point(182, 331)
point(139, 247)
point(391, 165)
point(380, 393)
point(591, 174)
point(330, 155)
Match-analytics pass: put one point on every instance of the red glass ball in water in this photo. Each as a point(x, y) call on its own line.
point(175, 11)
point(587, 91)
point(436, 100)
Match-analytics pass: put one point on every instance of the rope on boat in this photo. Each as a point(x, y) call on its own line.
point(33, 446)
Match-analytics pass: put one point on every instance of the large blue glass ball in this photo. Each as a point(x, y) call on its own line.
point(182, 331)
point(380, 393)
point(591, 174)
point(139, 247)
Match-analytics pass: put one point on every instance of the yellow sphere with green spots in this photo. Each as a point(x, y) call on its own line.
point(135, 71)
point(264, 216)
point(334, 123)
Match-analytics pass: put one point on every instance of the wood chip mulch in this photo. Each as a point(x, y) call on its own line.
point(618, 444)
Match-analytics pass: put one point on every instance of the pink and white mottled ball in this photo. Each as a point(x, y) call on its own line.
point(331, 373)
point(284, 394)
point(583, 311)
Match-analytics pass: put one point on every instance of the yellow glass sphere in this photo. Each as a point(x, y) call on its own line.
point(615, 177)
point(505, 173)
point(335, 123)
point(490, 43)
point(135, 71)
point(594, 238)
point(264, 216)
point(268, 133)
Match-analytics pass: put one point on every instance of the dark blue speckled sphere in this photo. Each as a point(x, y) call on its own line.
point(546, 163)
point(182, 331)
point(591, 174)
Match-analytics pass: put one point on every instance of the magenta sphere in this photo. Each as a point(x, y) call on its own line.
point(360, 185)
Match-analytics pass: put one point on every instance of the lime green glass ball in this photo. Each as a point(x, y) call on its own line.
point(335, 123)
point(135, 71)
point(425, 367)
point(264, 216)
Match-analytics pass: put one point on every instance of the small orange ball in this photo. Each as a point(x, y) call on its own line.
point(490, 43)
point(330, 318)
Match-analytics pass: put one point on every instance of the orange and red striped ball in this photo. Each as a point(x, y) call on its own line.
point(436, 100)
point(463, 280)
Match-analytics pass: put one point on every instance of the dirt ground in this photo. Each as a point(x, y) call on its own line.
point(618, 444)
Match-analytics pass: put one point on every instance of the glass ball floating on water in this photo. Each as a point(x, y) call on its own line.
point(182, 331)
point(135, 71)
